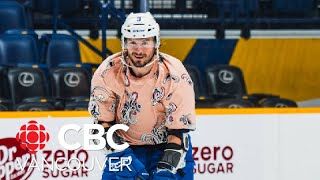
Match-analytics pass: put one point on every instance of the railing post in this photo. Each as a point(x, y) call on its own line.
point(144, 6)
point(55, 15)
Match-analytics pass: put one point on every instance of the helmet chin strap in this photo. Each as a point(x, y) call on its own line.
point(135, 67)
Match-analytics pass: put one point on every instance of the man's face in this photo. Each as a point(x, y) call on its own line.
point(140, 50)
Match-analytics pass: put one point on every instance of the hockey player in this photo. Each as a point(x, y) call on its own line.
point(152, 93)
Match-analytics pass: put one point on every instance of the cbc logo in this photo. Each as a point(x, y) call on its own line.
point(225, 76)
point(32, 136)
point(26, 79)
point(71, 79)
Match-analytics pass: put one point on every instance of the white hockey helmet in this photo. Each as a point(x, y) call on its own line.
point(140, 25)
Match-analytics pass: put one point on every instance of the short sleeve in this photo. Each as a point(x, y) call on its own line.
point(180, 105)
point(102, 103)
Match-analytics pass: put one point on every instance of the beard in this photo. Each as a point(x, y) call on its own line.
point(139, 62)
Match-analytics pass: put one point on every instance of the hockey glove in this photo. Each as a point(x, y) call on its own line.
point(173, 160)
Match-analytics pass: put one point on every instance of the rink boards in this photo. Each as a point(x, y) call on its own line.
point(242, 144)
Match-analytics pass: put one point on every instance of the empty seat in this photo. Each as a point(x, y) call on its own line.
point(29, 32)
point(77, 106)
point(27, 83)
point(4, 93)
point(258, 97)
point(70, 83)
point(18, 49)
point(237, 7)
point(28, 9)
point(34, 106)
point(65, 7)
point(233, 103)
point(294, 7)
point(12, 16)
point(278, 103)
point(5, 105)
point(62, 49)
point(225, 80)
point(195, 76)
point(204, 103)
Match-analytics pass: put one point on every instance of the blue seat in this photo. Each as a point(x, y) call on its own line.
point(18, 49)
point(12, 16)
point(32, 33)
point(28, 9)
point(62, 49)
point(237, 7)
point(29, 32)
point(295, 7)
point(65, 7)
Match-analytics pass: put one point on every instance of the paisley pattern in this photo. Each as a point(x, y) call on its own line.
point(169, 77)
point(125, 76)
point(157, 95)
point(109, 65)
point(169, 96)
point(185, 119)
point(94, 109)
point(130, 109)
point(157, 136)
point(169, 110)
point(187, 78)
point(112, 108)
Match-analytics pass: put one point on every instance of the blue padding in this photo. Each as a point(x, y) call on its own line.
point(207, 52)
point(12, 16)
point(18, 49)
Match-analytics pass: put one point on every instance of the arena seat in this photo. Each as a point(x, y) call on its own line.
point(26, 82)
point(237, 7)
point(195, 76)
point(18, 49)
point(70, 84)
point(293, 7)
point(29, 32)
point(5, 104)
point(62, 49)
point(77, 106)
point(12, 16)
point(233, 103)
point(34, 106)
point(278, 103)
point(65, 7)
point(4, 93)
point(28, 9)
point(225, 80)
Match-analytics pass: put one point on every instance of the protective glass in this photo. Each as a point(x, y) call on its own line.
point(135, 43)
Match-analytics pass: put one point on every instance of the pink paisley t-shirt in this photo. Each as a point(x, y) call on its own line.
point(161, 100)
